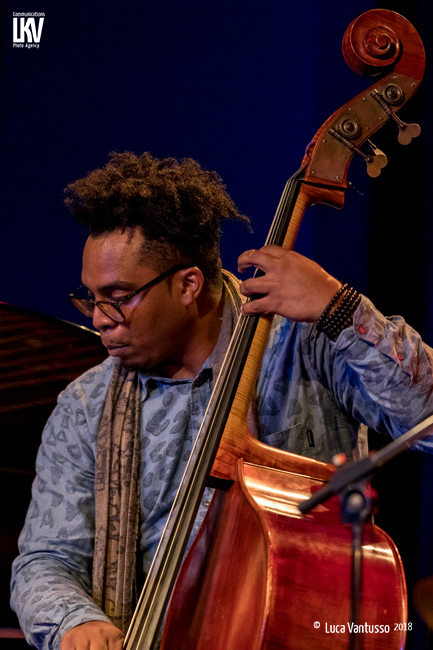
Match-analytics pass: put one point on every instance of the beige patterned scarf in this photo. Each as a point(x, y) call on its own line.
point(117, 499)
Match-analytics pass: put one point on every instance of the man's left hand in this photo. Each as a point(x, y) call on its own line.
point(292, 285)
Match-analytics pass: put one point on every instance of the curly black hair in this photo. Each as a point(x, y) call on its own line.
point(177, 204)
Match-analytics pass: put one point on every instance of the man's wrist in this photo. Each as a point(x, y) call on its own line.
point(338, 313)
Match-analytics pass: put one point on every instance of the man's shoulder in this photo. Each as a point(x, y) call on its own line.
point(91, 383)
point(80, 405)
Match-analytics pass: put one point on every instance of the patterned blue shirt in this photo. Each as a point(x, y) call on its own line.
point(312, 396)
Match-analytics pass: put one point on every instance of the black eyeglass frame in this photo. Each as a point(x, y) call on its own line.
point(88, 302)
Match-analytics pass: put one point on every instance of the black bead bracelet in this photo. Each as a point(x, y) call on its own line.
point(332, 323)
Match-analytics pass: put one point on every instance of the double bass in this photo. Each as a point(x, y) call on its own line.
point(259, 575)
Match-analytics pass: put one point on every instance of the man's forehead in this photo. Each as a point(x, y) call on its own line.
point(129, 236)
point(116, 244)
point(117, 255)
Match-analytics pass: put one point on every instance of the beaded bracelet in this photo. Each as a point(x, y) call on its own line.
point(342, 317)
point(325, 312)
point(332, 324)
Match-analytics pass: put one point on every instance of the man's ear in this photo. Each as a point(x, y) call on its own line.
point(192, 284)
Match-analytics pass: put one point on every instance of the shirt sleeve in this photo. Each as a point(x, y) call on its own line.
point(382, 373)
point(51, 578)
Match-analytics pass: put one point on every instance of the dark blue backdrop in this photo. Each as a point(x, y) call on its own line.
point(240, 86)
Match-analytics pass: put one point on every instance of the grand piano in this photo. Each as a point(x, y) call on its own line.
point(39, 356)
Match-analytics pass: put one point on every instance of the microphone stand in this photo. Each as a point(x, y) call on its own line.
point(349, 482)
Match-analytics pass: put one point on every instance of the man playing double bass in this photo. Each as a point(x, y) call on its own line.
point(153, 284)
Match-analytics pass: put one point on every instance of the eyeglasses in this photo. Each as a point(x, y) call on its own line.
point(111, 308)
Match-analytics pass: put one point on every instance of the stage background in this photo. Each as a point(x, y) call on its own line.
point(242, 87)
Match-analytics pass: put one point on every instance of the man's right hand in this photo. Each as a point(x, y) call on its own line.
point(94, 635)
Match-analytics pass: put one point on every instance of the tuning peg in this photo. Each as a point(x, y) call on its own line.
point(406, 131)
point(377, 162)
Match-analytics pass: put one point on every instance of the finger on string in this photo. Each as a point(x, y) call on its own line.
point(255, 286)
point(253, 257)
point(259, 306)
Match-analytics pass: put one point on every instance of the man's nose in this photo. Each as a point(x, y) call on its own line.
point(101, 321)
